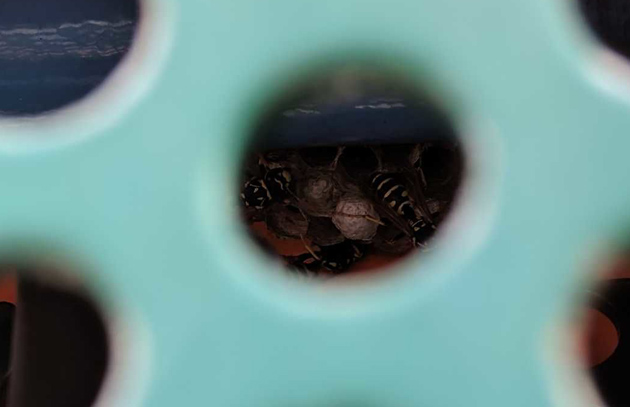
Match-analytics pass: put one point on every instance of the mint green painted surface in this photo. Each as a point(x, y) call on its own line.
point(140, 193)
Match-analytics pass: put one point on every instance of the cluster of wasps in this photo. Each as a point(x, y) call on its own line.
point(345, 202)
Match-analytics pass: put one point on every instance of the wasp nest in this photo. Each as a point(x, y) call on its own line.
point(356, 218)
point(318, 193)
point(323, 232)
point(328, 201)
point(286, 221)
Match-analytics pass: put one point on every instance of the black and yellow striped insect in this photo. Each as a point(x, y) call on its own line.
point(396, 198)
point(255, 194)
point(278, 183)
point(336, 258)
point(273, 186)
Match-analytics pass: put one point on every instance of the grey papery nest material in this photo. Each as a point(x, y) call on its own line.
point(323, 232)
point(356, 218)
point(318, 194)
point(285, 221)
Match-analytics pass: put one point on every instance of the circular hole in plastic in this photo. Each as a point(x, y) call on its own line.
point(55, 52)
point(607, 19)
point(350, 172)
point(601, 338)
point(604, 344)
point(54, 348)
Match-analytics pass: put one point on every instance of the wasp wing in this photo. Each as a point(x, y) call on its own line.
point(416, 191)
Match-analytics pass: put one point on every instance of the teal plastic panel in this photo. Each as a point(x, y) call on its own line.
point(137, 188)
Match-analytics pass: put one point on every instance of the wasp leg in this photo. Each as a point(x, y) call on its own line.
point(310, 249)
point(374, 220)
point(378, 153)
point(304, 264)
point(422, 177)
point(333, 165)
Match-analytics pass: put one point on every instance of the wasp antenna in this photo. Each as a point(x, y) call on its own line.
point(310, 250)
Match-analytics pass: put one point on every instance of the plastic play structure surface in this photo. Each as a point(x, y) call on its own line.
point(136, 188)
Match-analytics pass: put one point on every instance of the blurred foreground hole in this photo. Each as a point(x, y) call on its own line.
point(608, 19)
point(349, 172)
point(602, 337)
point(605, 341)
point(53, 342)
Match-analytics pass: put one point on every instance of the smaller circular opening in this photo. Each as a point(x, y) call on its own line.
point(605, 351)
point(600, 338)
point(56, 52)
point(350, 172)
point(54, 347)
point(608, 21)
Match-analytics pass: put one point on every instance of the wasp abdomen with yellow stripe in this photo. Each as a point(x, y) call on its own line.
point(335, 258)
point(421, 232)
point(255, 193)
point(278, 181)
point(259, 192)
point(392, 192)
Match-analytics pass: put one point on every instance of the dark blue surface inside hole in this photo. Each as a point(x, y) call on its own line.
point(365, 120)
point(54, 52)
